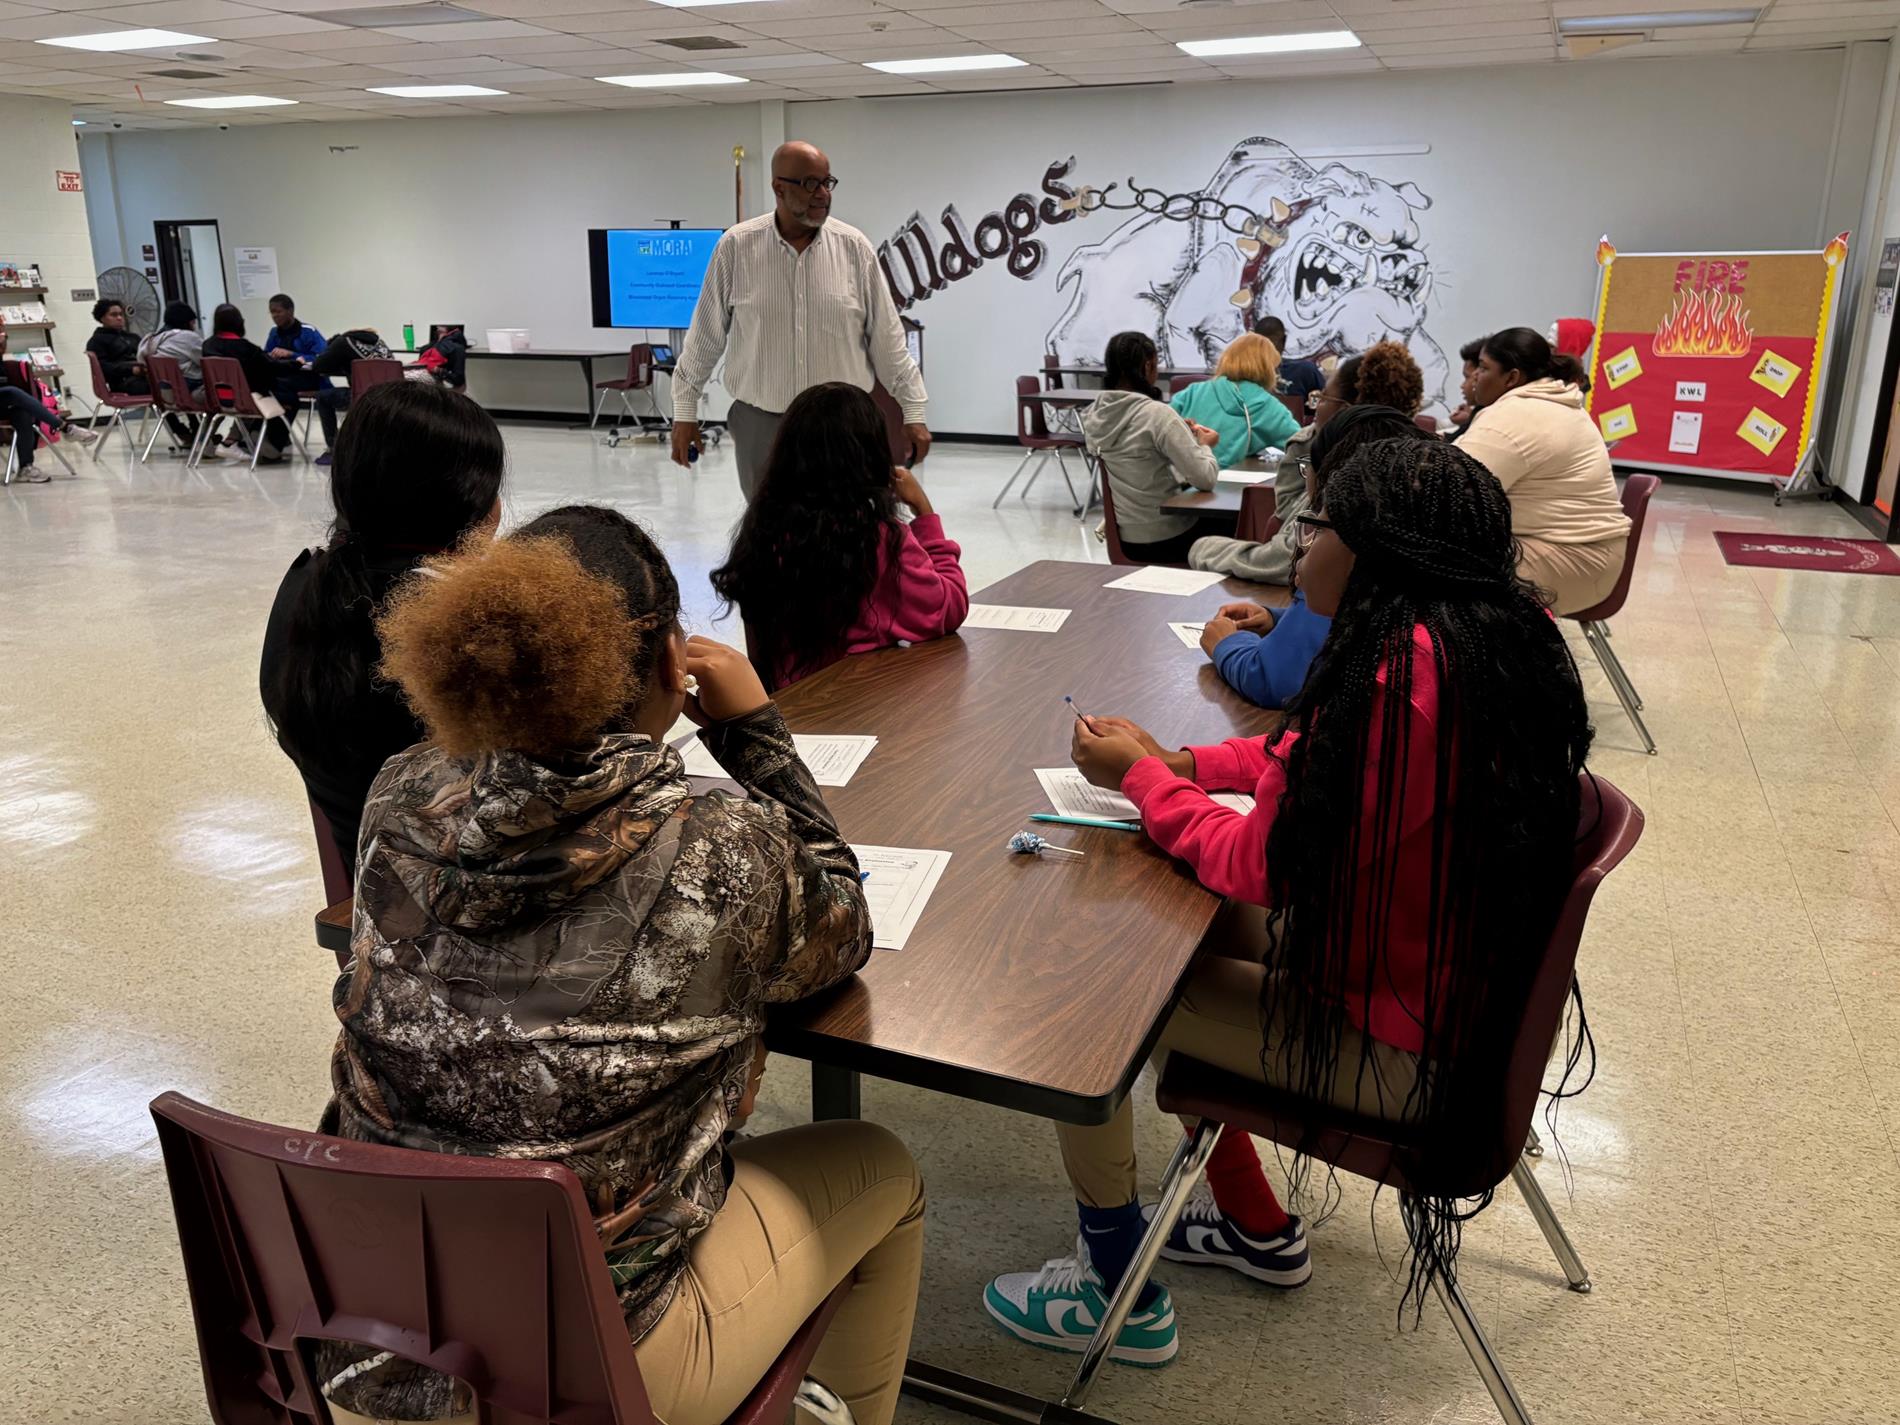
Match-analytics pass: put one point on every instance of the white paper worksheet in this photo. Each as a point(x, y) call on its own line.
point(833, 760)
point(1154, 579)
point(1072, 794)
point(1020, 619)
point(1241, 475)
point(897, 886)
point(1189, 633)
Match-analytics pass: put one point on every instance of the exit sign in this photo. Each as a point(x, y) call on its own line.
point(67, 182)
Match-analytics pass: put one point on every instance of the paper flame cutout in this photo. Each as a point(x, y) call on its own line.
point(1704, 324)
point(1835, 253)
point(1606, 251)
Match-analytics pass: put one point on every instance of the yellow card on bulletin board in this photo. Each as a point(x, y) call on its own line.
point(1624, 366)
point(1775, 372)
point(1762, 431)
point(1619, 424)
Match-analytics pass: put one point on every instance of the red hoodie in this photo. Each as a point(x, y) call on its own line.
point(1228, 849)
point(918, 595)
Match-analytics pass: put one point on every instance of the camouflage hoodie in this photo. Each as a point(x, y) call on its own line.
point(568, 961)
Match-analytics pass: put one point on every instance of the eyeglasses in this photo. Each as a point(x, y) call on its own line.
point(1314, 399)
point(810, 185)
point(1306, 530)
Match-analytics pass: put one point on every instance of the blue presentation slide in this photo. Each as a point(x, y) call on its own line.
point(654, 276)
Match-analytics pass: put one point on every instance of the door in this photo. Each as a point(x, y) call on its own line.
point(191, 263)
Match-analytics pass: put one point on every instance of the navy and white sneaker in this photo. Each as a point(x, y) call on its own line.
point(1203, 1237)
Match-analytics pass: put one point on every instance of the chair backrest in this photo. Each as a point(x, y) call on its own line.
point(225, 387)
point(1178, 384)
point(640, 365)
point(1031, 423)
point(893, 423)
point(171, 391)
point(485, 1269)
point(1050, 361)
point(1259, 520)
point(101, 387)
point(1294, 404)
point(339, 879)
point(1637, 489)
point(1425, 423)
point(1109, 529)
point(370, 371)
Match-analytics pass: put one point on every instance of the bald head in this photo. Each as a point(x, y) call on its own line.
point(801, 186)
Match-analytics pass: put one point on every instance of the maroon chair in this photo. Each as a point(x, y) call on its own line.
point(1258, 521)
point(115, 401)
point(485, 1269)
point(1032, 434)
point(1110, 532)
point(1425, 423)
point(1301, 416)
point(229, 394)
point(639, 377)
point(1596, 620)
point(1609, 826)
point(339, 877)
point(370, 371)
point(172, 395)
point(1050, 375)
point(1178, 384)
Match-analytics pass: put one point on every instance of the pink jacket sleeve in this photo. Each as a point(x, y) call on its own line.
point(1226, 848)
point(931, 598)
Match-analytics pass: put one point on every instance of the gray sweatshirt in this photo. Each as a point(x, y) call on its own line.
point(1148, 453)
point(1270, 562)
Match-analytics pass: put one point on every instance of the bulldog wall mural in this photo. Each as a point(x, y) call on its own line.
point(1335, 252)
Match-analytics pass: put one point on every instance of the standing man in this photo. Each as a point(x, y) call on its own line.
point(792, 300)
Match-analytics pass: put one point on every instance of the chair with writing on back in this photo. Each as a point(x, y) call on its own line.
point(172, 395)
point(115, 401)
point(230, 395)
point(639, 377)
point(1595, 621)
point(1032, 434)
point(1609, 826)
point(485, 1269)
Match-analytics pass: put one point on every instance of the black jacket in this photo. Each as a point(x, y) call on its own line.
point(260, 372)
point(345, 349)
point(118, 353)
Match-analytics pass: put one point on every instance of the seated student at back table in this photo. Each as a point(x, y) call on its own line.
point(1453, 840)
point(564, 953)
point(260, 375)
point(821, 565)
point(1381, 375)
point(417, 472)
point(1237, 401)
point(1147, 453)
point(1299, 378)
point(295, 344)
point(343, 351)
point(1264, 654)
point(179, 341)
point(117, 348)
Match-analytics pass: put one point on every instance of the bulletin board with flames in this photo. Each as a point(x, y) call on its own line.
point(1710, 363)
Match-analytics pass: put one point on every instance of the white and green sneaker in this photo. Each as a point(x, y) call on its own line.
point(1059, 1307)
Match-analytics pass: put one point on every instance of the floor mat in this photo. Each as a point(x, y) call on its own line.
point(1808, 551)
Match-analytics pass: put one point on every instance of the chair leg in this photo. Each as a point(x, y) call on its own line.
point(116, 423)
point(151, 440)
point(1619, 681)
point(1184, 1170)
point(1063, 466)
point(600, 402)
point(1027, 455)
point(256, 442)
point(60, 456)
point(1490, 1369)
point(13, 456)
point(1575, 1272)
point(1042, 459)
point(822, 1403)
point(1533, 1145)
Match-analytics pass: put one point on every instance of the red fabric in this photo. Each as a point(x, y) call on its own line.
point(918, 596)
point(1574, 335)
point(1241, 1189)
point(1228, 849)
point(1769, 550)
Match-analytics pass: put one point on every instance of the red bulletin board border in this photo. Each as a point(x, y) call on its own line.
point(1801, 449)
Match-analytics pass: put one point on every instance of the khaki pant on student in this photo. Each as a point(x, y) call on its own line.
point(808, 1207)
point(1577, 576)
point(1217, 1021)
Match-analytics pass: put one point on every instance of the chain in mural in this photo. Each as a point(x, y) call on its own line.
point(1236, 218)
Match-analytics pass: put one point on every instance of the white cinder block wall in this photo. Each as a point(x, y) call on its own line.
point(41, 225)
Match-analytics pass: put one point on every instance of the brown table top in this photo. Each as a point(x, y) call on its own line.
point(1221, 500)
point(1064, 398)
point(1035, 983)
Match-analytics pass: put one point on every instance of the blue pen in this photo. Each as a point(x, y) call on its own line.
point(863, 876)
point(1075, 711)
point(1102, 822)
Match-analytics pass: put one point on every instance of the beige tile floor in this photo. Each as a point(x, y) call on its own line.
point(1736, 1184)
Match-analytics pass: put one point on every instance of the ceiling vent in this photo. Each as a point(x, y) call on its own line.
point(184, 74)
point(700, 42)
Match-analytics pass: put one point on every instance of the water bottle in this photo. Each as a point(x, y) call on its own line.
point(408, 336)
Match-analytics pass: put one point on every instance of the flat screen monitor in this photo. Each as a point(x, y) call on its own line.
point(648, 277)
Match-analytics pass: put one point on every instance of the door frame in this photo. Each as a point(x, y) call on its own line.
point(165, 240)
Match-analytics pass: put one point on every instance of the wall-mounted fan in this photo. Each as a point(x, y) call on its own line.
point(131, 287)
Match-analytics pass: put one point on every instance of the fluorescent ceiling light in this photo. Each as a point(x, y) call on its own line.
point(681, 79)
point(130, 39)
point(954, 64)
point(79, 123)
point(1270, 44)
point(231, 101)
point(436, 91)
point(1654, 20)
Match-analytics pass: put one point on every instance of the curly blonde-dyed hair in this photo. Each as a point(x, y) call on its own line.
point(1386, 375)
point(511, 646)
point(1251, 357)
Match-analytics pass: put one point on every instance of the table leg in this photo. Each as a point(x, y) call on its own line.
point(834, 1093)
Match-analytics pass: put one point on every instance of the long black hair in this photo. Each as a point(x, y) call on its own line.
point(805, 556)
point(1431, 531)
point(1521, 349)
point(416, 466)
point(227, 318)
point(179, 317)
point(1125, 363)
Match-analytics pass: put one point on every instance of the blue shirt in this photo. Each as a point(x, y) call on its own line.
point(1299, 379)
point(308, 343)
point(1268, 671)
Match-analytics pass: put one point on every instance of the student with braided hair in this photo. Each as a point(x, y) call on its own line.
point(1411, 843)
point(1263, 653)
point(563, 952)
